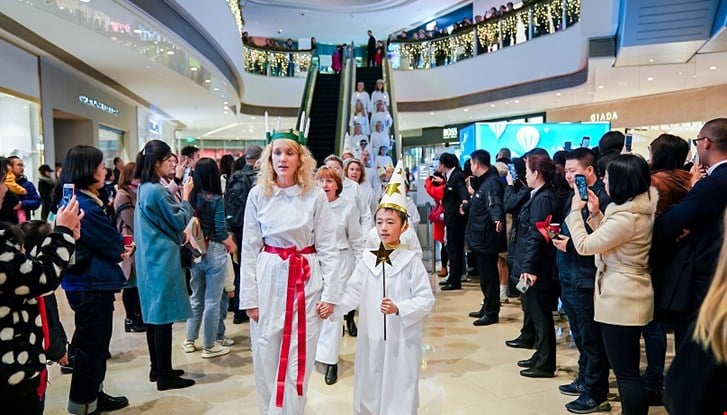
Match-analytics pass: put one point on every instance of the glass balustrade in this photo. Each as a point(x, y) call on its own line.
point(280, 63)
point(533, 19)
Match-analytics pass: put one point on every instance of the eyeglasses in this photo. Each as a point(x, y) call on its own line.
point(695, 140)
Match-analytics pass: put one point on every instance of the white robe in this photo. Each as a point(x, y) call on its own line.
point(352, 192)
point(363, 120)
point(350, 243)
point(363, 96)
point(285, 219)
point(386, 373)
point(380, 139)
point(413, 213)
point(382, 116)
point(378, 96)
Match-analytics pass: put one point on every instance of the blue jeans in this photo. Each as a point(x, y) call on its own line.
point(207, 283)
point(224, 306)
point(594, 373)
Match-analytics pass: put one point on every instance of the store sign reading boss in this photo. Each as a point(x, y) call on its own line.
point(98, 105)
point(450, 133)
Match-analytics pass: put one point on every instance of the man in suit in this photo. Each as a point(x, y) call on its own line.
point(697, 219)
point(455, 196)
point(370, 50)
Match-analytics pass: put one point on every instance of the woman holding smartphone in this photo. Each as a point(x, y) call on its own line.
point(92, 282)
point(159, 224)
point(621, 240)
point(208, 275)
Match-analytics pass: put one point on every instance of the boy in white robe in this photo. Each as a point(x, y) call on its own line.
point(386, 372)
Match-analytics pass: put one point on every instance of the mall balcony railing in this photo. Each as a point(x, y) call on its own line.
point(533, 19)
point(280, 63)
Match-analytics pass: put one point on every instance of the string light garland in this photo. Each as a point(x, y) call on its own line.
point(236, 10)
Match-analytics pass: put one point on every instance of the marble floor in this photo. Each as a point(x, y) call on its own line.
point(465, 370)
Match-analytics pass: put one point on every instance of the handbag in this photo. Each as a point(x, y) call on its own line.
point(196, 236)
point(436, 215)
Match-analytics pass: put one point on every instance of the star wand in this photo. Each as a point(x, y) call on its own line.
point(382, 257)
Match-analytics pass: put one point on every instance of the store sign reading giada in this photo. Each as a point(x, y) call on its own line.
point(604, 116)
point(98, 105)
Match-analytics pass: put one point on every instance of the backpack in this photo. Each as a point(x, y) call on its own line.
point(236, 196)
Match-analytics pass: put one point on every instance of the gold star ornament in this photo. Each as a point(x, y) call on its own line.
point(382, 254)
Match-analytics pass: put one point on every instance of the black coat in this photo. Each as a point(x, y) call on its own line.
point(533, 253)
point(454, 194)
point(484, 209)
point(692, 262)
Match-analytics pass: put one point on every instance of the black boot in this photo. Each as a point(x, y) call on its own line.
point(331, 374)
point(351, 324)
point(173, 382)
point(132, 326)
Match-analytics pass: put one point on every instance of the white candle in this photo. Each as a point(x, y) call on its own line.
point(307, 127)
point(301, 123)
point(267, 129)
point(277, 124)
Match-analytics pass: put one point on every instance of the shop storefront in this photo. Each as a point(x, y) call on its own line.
point(679, 113)
point(20, 129)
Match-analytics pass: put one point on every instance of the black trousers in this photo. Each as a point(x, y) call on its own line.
point(623, 347)
point(455, 251)
point(21, 398)
point(537, 304)
point(132, 304)
point(236, 300)
point(489, 283)
point(159, 342)
point(93, 315)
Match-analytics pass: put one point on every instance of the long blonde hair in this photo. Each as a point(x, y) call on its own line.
point(267, 178)
point(711, 328)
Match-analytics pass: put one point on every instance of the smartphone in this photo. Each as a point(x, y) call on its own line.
point(628, 141)
point(513, 172)
point(567, 146)
point(69, 189)
point(522, 285)
point(582, 187)
point(585, 142)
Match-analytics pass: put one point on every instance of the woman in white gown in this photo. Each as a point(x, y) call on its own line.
point(350, 243)
point(289, 279)
point(360, 115)
point(379, 94)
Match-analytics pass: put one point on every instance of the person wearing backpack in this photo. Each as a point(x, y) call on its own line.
point(238, 187)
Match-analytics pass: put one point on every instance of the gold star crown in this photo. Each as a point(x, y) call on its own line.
point(395, 194)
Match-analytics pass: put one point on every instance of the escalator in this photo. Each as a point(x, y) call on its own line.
point(369, 76)
point(324, 116)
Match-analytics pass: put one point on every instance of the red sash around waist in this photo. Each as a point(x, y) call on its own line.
point(298, 274)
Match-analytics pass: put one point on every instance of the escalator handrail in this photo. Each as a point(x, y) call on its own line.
point(388, 74)
point(344, 97)
point(307, 99)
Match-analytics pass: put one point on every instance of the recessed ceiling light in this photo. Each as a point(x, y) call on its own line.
point(226, 112)
point(517, 101)
point(137, 31)
point(651, 60)
point(170, 52)
point(431, 113)
point(711, 68)
point(85, 1)
point(507, 102)
point(600, 87)
point(252, 117)
point(694, 76)
point(680, 73)
point(557, 94)
point(466, 109)
point(228, 103)
point(492, 105)
point(207, 81)
point(215, 89)
point(651, 78)
point(193, 68)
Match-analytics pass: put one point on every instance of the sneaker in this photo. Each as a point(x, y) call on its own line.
point(586, 405)
point(572, 389)
point(225, 342)
point(189, 347)
point(215, 351)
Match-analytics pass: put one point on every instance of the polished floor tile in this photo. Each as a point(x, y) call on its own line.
point(465, 370)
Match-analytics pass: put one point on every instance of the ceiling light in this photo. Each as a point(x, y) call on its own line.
point(85, 1)
point(492, 105)
point(507, 102)
point(252, 117)
point(557, 94)
point(651, 60)
point(651, 78)
point(207, 81)
point(517, 101)
point(170, 52)
point(227, 103)
point(215, 89)
point(600, 87)
point(137, 31)
point(711, 68)
point(431, 113)
point(193, 68)
point(680, 73)
point(466, 109)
